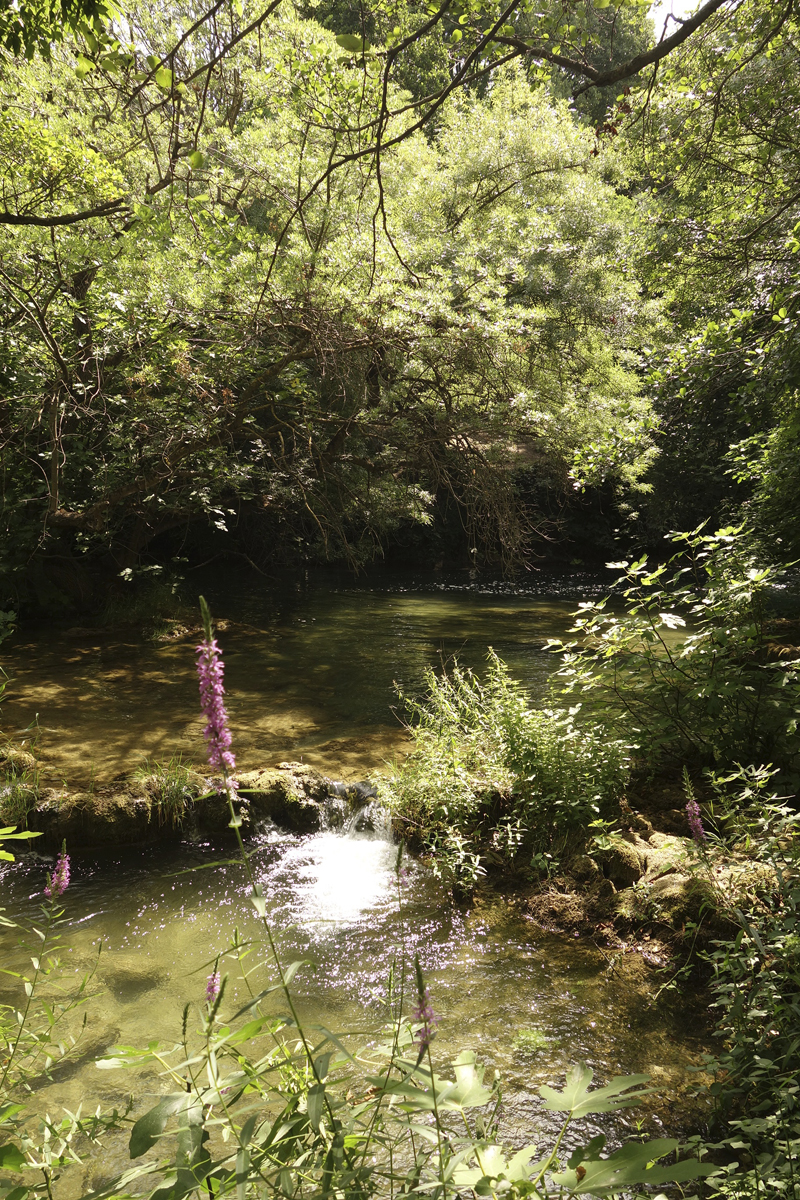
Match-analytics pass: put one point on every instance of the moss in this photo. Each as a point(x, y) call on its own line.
point(530, 1041)
point(12, 758)
point(291, 795)
point(621, 862)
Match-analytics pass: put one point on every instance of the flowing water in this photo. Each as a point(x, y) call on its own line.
point(313, 676)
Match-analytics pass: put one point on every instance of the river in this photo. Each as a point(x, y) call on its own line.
point(311, 674)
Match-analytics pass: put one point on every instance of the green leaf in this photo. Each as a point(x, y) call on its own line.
point(83, 67)
point(163, 78)
point(7, 834)
point(197, 160)
point(578, 1101)
point(630, 1165)
point(316, 1105)
point(288, 976)
point(11, 1157)
point(149, 1128)
point(351, 41)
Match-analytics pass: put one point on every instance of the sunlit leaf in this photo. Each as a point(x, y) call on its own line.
point(578, 1101)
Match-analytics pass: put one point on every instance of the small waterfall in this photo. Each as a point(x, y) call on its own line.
point(354, 809)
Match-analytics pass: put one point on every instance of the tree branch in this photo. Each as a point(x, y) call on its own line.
point(102, 210)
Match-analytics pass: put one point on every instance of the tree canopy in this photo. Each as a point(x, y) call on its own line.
point(319, 275)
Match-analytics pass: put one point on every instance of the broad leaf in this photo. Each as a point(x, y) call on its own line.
point(351, 41)
point(148, 1129)
point(630, 1165)
point(578, 1101)
point(11, 1157)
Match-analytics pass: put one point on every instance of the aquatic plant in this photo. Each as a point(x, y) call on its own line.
point(213, 987)
point(530, 1041)
point(694, 817)
point(423, 1014)
point(210, 672)
point(169, 785)
point(58, 882)
point(19, 790)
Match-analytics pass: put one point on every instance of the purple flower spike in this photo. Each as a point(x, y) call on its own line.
point(212, 987)
point(425, 1014)
point(210, 668)
point(58, 882)
point(695, 822)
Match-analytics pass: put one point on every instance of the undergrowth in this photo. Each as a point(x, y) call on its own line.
point(492, 779)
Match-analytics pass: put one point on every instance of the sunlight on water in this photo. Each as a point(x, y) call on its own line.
point(338, 879)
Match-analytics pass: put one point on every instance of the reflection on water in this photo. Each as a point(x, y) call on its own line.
point(330, 878)
point(332, 899)
point(310, 674)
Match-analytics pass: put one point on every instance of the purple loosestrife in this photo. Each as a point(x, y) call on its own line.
point(212, 987)
point(58, 882)
point(695, 822)
point(429, 1020)
point(210, 669)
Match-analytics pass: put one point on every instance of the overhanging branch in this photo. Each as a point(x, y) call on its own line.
point(101, 210)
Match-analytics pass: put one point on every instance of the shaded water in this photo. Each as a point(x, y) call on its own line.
point(312, 674)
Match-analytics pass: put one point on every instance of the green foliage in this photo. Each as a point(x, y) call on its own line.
point(530, 1041)
point(8, 835)
point(476, 297)
point(755, 987)
point(170, 786)
point(19, 791)
point(717, 161)
point(711, 695)
point(491, 778)
point(31, 26)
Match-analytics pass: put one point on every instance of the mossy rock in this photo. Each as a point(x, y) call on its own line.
point(584, 869)
point(88, 820)
point(12, 758)
point(621, 862)
point(292, 795)
point(676, 899)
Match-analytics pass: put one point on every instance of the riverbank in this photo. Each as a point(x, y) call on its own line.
point(164, 803)
point(642, 888)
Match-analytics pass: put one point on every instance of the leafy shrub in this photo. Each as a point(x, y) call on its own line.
point(490, 776)
point(756, 990)
point(687, 671)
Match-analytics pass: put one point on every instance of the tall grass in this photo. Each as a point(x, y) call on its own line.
point(169, 787)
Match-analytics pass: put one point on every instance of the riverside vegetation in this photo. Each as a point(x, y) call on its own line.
point(455, 282)
point(494, 784)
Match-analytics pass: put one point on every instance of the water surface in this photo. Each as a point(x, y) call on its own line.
point(311, 673)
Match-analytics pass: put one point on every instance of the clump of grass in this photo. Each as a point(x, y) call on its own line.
point(169, 786)
point(19, 791)
point(530, 1041)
